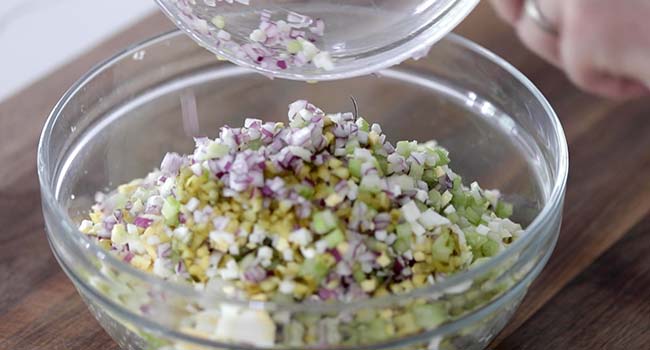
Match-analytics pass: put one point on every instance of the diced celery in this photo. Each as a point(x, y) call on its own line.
point(382, 164)
point(416, 171)
point(367, 198)
point(170, 211)
point(401, 245)
point(475, 240)
point(406, 323)
point(435, 199)
point(255, 144)
point(429, 176)
point(443, 157)
point(294, 46)
point(152, 341)
point(430, 315)
point(358, 273)
point(119, 234)
point(375, 331)
point(334, 238)
point(365, 315)
point(503, 210)
point(458, 183)
point(472, 216)
point(354, 165)
point(295, 332)
point(490, 248)
point(324, 221)
point(363, 124)
point(404, 230)
point(314, 269)
point(305, 191)
point(404, 148)
point(453, 217)
point(216, 150)
point(459, 200)
point(442, 247)
point(351, 146)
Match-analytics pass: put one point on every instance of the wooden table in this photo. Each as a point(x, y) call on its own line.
point(594, 293)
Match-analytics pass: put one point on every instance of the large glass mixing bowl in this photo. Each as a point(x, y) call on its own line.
point(362, 36)
point(117, 122)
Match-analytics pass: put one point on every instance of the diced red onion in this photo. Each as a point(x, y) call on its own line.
point(142, 222)
point(326, 294)
point(129, 256)
point(255, 274)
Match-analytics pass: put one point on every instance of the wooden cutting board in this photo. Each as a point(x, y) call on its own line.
point(594, 293)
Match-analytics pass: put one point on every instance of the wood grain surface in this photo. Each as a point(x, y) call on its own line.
point(593, 294)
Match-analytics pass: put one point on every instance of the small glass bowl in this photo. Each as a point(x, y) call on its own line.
point(117, 122)
point(362, 36)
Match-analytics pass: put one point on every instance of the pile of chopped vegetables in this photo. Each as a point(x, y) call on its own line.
point(324, 208)
point(275, 44)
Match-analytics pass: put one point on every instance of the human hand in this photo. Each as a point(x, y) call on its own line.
point(602, 45)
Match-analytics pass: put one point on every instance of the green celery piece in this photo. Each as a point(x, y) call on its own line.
point(334, 238)
point(351, 146)
point(503, 209)
point(459, 199)
point(404, 230)
point(365, 315)
point(315, 269)
point(294, 46)
point(490, 248)
point(216, 150)
point(255, 144)
point(367, 198)
point(441, 249)
point(324, 221)
point(436, 199)
point(170, 211)
point(430, 315)
point(282, 298)
point(403, 148)
point(475, 240)
point(354, 165)
point(406, 323)
point(429, 176)
point(382, 164)
point(363, 124)
point(375, 331)
point(472, 216)
point(457, 183)
point(153, 342)
point(401, 245)
point(453, 217)
point(443, 157)
point(295, 333)
point(305, 191)
point(358, 273)
point(416, 171)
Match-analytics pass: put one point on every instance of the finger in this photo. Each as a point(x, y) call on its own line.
point(538, 39)
point(508, 10)
point(591, 56)
point(606, 85)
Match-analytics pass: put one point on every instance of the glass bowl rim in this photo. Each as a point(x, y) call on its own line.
point(409, 48)
point(71, 231)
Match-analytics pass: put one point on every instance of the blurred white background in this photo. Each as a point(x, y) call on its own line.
point(37, 36)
